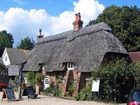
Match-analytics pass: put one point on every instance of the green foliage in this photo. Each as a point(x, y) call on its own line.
point(125, 22)
point(39, 77)
point(4, 74)
point(138, 64)
point(71, 88)
point(26, 43)
point(117, 79)
point(14, 84)
point(59, 79)
point(3, 70)
point(85, 93)
point(57, 92)
point(34, 78)
point(6, 39)
point(49, 90)
point(31, 78)
point(53, 90)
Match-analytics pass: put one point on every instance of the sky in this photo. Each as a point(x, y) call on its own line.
point(23, 18)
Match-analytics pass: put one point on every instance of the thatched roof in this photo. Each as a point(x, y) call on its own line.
point(17, 56)
point(86, 48)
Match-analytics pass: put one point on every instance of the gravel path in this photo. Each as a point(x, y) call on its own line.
point(46, 100)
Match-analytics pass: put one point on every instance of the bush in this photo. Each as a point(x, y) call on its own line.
point(49, 90)
point(34, 78)
point(39, 77)
point(117, 79)
point(31, 78)
point(53, 90)
point(71, 89)
point(85, 93)
point(57, 92)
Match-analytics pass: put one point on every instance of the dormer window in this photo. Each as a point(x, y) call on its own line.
point(70, 65)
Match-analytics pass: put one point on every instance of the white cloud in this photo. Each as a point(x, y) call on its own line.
point(89, 9)
point(22, 23)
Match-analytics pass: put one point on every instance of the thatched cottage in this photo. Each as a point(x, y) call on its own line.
point(75, 54)
point(12, 58)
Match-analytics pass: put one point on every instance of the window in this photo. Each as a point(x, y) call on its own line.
point(46, 80)
point(70, 66)
point(5, 58)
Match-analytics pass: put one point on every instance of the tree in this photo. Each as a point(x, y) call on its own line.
point(6, 39)
point(125, 22)
point(4, 78)
point(3, 70)
point(117, 79)
point(26, 43)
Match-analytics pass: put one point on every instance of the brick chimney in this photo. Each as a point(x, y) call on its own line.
point(78, 23)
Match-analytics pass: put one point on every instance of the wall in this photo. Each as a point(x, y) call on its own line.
point(64, 79)
point(5, 58)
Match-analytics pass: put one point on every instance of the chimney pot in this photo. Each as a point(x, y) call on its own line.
point(40, 36)
point(40, 31)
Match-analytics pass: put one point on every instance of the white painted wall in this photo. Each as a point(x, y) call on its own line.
point(5, 58)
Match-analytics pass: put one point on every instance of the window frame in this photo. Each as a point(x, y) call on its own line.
point(70, 65)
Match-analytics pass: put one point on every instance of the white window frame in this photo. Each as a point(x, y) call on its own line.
point(70, 65)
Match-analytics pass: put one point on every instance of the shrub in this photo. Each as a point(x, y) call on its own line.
point(71, 89)
point(34, 78)
point(31, 78)
point(39, 77)
point(53, 90)
point(85, 93)
point(57, 92)
point(49, 90)
point(117, 79)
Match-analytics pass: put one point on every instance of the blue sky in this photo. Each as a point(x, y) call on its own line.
point(107, 3)
point(55, 7)
point(23, 18)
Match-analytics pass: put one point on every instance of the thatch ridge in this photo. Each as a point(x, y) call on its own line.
point(70, 35)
